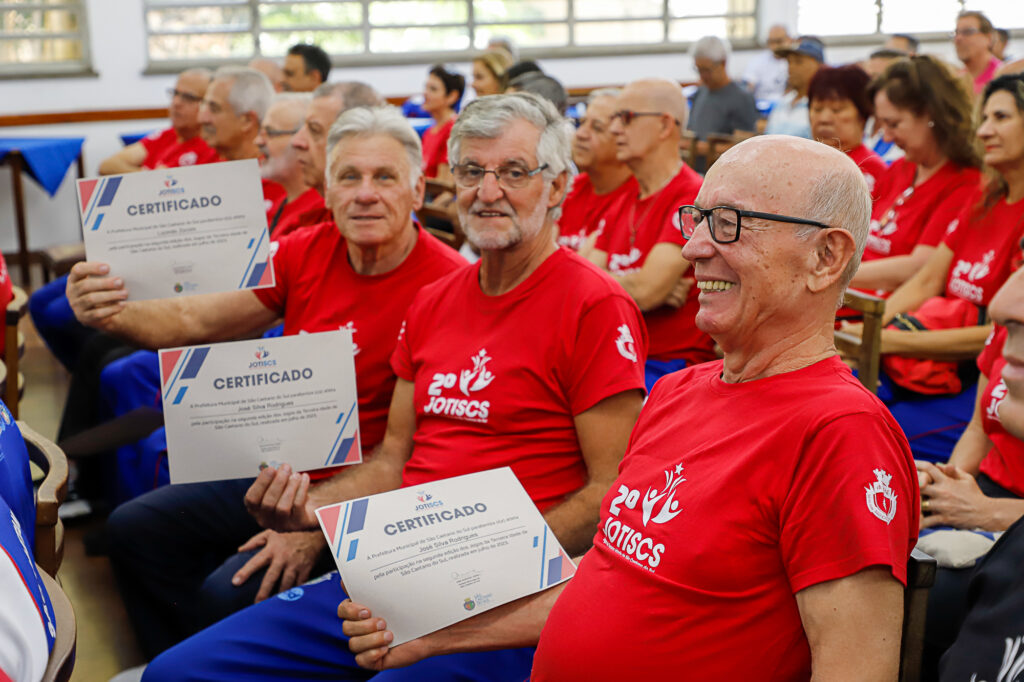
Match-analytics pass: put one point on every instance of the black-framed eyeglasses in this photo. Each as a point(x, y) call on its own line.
point(508, 176)
point(277, 132)
point(724, 221)
point(187, 96)
point(628, 116)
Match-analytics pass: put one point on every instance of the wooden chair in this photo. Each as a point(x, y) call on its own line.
point(49, 549)
point(920, 577)
point(58, 260)
point(443, 219)
point(865, 349)
point(688, 148)
point(62, 657)
point(718, 144)
point(15, 348)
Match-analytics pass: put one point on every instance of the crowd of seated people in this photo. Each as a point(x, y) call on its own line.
point(582, 296)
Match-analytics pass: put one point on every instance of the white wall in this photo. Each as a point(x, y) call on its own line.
point(118, 58)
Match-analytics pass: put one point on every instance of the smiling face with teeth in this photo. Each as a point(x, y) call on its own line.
point(1007, 309)
point(774, 287)
point(495, 217)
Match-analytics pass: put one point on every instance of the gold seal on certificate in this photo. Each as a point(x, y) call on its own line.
point(427, 556)
point(179, 231)
point(233, 408)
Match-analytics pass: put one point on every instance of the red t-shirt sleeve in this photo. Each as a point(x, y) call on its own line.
point(992, 351)
point(275, 297)
point(947, 210)
point(670, 232)
point(606, 359)
point(827, 527)
point(401, 358)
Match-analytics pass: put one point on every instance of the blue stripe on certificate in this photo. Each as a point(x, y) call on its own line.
point(543, 553)
point(245, 275)
point(94, 199)
point(341, 530)
point(358, 519)
point(334, 448)
point(195, 362)
point(181, 394)
point(554, 569)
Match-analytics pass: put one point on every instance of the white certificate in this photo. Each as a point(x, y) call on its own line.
point(427, 556)
point(233, 408)
point(180, 231)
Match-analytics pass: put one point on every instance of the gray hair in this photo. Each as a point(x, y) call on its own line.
point(711, 47)
point(839, 197)
point(250, 90)
point(487, 117)
point(379, 120)
point(283, 97)
point(351, 93)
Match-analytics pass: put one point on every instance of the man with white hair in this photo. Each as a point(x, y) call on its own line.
point(179, 145)
point(639, 245)
point(720, 105)
point(764, 514)
point(281, 165)
point(562, 384)
point(174, 548)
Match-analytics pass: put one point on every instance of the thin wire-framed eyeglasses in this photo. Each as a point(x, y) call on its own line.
point(508, 176)
point(724, 221)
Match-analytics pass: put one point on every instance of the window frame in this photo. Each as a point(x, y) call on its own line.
point(371, 59)
point(81, 67)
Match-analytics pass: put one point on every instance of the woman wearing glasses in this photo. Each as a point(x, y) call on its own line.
point(926, 110)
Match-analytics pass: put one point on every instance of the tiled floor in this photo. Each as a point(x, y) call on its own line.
point(106, 644)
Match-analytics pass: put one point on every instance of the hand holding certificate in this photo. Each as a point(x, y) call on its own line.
point(430, 556)
point(179, 231)
point(231, 408)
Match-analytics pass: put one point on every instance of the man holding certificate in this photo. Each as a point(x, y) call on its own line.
point(532, 359)
point(359, 273)
point(762, 519)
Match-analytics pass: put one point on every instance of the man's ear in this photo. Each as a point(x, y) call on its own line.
point(419, 192)
point(833, 250)
point(252, 121)
point(559, 186)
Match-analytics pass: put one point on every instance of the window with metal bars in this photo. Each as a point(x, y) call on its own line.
point(183, 32)
point(923, 18)
point(43, 37)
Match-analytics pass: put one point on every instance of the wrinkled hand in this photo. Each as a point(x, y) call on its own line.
point(677, 297)
point(369, 639)
point(289, 558)
point(279, 500)
point(923, 477)
point(952, 498)
point(94, 296)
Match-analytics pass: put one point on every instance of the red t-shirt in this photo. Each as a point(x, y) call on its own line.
point(584, 211)
point(435, 147)
point(288, 216)
point(984, 249)
point(317, 290)
point(905, 216)
point(871, 165)
point(164, 150)
point(731, 499)
point(498, 379)
point(1004, 463)
point(634, 227)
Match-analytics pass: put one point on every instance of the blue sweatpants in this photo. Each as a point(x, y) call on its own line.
point(932, 423)
point(55, 321)
point(656, 369)
point(297, 635)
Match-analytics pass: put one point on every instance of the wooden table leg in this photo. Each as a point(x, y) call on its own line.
point(16, 162)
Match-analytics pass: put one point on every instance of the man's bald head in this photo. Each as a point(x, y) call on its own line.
point(798, 177)
point(270, 69)
point(660, 95)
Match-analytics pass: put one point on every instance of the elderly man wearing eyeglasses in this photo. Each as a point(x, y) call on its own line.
point(532, 358)
point(640, 242)
point(179, 145)
point(764, 513)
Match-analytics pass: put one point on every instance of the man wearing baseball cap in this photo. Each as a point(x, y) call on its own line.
point(789, 114)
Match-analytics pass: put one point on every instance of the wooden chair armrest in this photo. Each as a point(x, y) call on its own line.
point(17, 307)
point(62, 657)
point(863, 303)
point(53, 490)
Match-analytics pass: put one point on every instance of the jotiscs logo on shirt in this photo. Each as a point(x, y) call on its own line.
point(624, 263)
point(469, 381)
point(657, 506)
point(998, 395)
point(965, 273)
